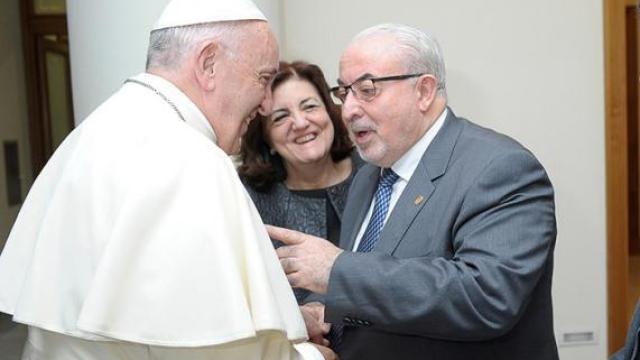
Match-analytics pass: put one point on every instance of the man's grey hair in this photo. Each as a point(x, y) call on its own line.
point(421, 51)
point(168, 47)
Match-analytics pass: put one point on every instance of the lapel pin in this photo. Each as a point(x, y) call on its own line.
point(418, 199)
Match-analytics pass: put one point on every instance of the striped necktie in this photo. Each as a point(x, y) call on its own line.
point(380, 209)
point(371, 235)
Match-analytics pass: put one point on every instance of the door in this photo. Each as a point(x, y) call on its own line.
point(36, 99)
point(46, 53)
point(623, 163)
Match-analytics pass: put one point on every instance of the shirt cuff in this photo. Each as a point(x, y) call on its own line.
point(308, 352)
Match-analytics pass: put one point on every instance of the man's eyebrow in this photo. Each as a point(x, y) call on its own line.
point(271, 71)
point(361, 77)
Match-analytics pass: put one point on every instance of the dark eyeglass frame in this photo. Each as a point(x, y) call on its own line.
point(341, 92)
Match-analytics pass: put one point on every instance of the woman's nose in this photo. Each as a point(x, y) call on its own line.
point(299, 121)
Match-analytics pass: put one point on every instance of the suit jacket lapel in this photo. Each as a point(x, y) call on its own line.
point(361, 196)
point(413, 199)
point(420, 187)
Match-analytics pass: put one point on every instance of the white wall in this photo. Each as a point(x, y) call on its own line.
point(13, 118)
point(530, 69)
point(272, 9)
point(108, 43)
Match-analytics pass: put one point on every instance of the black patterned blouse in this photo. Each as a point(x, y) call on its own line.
point(317, 212)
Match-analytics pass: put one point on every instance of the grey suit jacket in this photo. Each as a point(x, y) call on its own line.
point(464, 273)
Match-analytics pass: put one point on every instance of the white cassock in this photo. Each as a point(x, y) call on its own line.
point(138, 241)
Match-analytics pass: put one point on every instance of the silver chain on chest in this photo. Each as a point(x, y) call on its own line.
point(163, 96)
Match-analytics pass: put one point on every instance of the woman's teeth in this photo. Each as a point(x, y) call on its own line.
point(304, 139)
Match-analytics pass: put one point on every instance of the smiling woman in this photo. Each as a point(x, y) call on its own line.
point(298, 162)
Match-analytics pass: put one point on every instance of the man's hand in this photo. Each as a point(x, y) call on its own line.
point(307, 260)
point(313, 314)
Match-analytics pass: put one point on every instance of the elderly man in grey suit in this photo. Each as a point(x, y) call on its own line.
point(449, 231)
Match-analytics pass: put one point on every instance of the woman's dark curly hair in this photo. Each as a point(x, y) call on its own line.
point(259, 168)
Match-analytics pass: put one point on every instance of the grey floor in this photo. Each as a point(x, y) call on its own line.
point(12, 337)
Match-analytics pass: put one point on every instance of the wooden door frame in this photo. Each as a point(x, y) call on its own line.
point(33, 26)
point(44, 46)
point(617, 170)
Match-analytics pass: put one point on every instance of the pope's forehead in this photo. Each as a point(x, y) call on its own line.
point(258, 31)
point(258, 41)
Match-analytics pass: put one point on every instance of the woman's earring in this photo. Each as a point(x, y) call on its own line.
point(272, 151)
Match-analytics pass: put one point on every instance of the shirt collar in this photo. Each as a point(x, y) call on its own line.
point(407, 164)
point(191, 113)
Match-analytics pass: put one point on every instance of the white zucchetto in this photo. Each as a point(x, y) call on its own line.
point(192, 12)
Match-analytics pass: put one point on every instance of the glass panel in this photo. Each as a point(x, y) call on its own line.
point(49, 7)
point(12, 172)
point(59, 102)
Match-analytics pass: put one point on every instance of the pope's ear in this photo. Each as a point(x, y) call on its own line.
point(427, 87)
point(207, 57)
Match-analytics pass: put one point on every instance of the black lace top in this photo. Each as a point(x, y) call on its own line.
point(317, 212)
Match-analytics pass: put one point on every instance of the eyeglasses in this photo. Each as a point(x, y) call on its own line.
point(365, 89)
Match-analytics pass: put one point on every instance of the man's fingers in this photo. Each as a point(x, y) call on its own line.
point(319, 340)
point(288, 265)
point(314, 305)
point(315, 308)
point(294, 279)
point(285, 252)
point(289, 237)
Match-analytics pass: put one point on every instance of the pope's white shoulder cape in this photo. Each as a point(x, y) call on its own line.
point(138, 229)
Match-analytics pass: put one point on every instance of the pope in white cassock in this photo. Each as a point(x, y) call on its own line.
point(137, 240)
